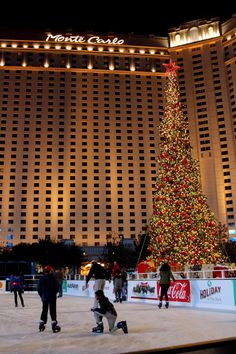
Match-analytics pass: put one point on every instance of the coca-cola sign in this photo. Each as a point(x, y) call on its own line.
point(179, 291)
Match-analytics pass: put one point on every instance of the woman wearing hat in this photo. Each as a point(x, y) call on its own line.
point(47, 289)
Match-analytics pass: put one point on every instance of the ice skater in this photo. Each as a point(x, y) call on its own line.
point(118, 285)
point(47, 289)
point(17, 287)
point(97, 271)
point(106, 309)
point(165, 279)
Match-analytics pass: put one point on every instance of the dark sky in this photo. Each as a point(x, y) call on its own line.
point(113, 16)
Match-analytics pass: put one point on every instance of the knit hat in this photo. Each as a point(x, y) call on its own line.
point(47, 269)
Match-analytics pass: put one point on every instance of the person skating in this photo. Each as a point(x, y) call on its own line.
point(17, 287)
point(97, 271)
point(118, 285)
point(58, 274)
point(106, 309)
point(47, 290)
point(165, 280)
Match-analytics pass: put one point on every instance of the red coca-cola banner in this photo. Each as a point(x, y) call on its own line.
point(179, 291)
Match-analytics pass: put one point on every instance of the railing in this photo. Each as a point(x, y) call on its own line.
point(190, 274)
point(31, 281)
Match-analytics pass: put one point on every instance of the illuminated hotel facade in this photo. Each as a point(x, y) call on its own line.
point(79, 128)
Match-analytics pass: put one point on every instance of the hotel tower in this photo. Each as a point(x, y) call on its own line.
point(79, 117)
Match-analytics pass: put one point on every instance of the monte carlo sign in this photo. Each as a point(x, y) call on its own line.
point(83, 39)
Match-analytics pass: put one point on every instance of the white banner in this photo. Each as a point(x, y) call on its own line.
point(212, 293)
point(142, 291)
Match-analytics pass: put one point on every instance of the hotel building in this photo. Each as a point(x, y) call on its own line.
point(79, 118)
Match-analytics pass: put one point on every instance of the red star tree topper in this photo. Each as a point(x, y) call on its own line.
point(183, 229)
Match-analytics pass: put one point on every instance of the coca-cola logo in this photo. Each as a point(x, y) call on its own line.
point(178, 291)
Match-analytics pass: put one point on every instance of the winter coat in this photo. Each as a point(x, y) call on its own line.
point(16, 283)
point(48, 287)
point(97, 271)
point(165, 277)
point(105, 306)
point(118, 282)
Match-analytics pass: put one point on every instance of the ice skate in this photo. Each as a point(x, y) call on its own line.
point(123, 326)
point(41, 326)
point(160, 305)
point(55, 327)
point(167, 305)
point(99, 328)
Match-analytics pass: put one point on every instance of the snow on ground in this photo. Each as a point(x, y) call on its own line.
point(149, 327)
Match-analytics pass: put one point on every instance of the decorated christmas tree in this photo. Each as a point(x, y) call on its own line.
point(183, 230)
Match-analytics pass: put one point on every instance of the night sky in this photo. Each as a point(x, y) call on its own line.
point(113, 16)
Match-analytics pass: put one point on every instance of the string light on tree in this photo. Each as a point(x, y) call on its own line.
point(183, 229)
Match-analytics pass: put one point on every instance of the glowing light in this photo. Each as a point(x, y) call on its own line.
point(142, 51)
point(79, 48)
point(14, 45)
point(46, 64)
point(25, 45)
point(121, 50)
point(68, 65)
point(111, 49)
point(57, 47)
point(111, 66)
point(152, 51)
point(3, 45)
point(177, 38)
point(100, 49)
point(90, 66)
point(47, 46)
point(90, 48)
point(131, 50)
point(2, 63)
point(68, 47)
point(24, 63)
point(36, 45)
point(228, 38)
point(132, 67)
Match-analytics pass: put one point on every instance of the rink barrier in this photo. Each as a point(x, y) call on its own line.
point(209, 293)
point(217, 294)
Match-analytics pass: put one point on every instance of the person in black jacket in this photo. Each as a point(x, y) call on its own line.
point(106, 309)
point(97, 272)
point(47, 290)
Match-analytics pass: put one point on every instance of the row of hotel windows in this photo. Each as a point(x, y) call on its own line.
point(82, 62)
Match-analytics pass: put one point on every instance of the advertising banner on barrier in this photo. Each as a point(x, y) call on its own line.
point(212, 293)
point(143, 291)
point(77, 288)
point(179, 291)
point(2, 286)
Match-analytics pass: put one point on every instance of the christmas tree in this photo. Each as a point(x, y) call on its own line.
point(183, 230)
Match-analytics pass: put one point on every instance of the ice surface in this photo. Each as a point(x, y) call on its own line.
point(149, 327)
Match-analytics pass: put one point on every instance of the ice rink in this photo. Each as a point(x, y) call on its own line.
point(149, 327)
